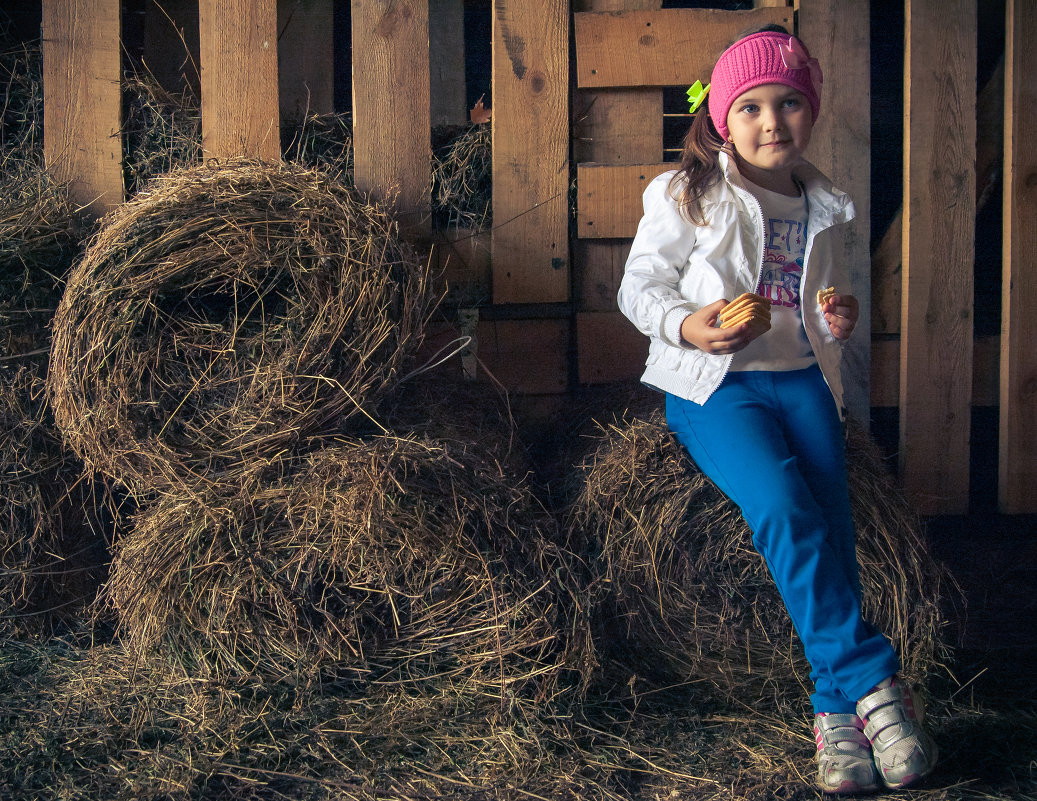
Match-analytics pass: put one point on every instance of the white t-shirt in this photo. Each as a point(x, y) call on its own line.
point(785, 345)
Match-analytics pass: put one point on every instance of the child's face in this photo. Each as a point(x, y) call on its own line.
point(770, 126)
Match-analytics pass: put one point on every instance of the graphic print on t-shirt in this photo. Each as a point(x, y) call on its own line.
point(784, 252)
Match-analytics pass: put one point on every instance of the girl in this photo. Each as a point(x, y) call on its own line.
point(746, 213)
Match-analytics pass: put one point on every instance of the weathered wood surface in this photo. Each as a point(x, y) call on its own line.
point(391, 105)
point(530, 151)
point(1018, 391)
point(609, 197)
point(82, 105)
point(837, 34)
point(611, 126)
point(939, 228)
point(238, 45)
point(671, 47)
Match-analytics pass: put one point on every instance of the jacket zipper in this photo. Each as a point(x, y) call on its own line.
point(758, 221)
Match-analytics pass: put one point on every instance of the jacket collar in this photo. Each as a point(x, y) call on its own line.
point(832, 205)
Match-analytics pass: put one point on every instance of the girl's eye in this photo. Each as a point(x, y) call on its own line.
point(750, 108)
point(792, 102)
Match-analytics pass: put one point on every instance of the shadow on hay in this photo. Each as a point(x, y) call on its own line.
point(686, 598)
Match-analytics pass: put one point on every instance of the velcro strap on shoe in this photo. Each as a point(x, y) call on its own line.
point(841, 731)
point(881, 710)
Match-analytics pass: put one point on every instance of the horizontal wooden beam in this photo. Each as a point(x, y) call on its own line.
point(609, 198)
point(671, 47)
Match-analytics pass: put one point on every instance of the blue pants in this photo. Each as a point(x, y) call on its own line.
point(773, 443)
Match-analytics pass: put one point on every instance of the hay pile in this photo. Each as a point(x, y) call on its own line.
point(226, 314)
point(21, 114)
point(394, 560)
point(53, 521)
point(161, 131)
point(462, 177)
point(688, 589)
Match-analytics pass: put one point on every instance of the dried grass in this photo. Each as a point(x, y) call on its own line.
point(161, 131)
point(694, 598)
point(225, 314)
point(462, 178)
point(54, 522)
point(397, 560)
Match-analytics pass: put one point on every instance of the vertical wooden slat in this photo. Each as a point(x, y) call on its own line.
point(82, 102)
point(939, 229)
point(1018, 394)
point(446, 57)
point(530, 151)
point(391, 112)
point(837, 34)
point(238, 44)
point(305, 57)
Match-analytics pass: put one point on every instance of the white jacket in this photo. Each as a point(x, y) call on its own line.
point(675, 267)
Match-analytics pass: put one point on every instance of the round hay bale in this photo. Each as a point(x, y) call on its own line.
point(694, 595)
point(53, 548)
point(225, 314)
point(401, 561)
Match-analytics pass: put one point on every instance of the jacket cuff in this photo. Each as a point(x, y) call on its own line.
point(671, 327)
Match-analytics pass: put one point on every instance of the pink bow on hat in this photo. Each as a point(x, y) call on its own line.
point(795, 57)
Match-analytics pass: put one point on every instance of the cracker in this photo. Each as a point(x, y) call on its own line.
point(824, 295)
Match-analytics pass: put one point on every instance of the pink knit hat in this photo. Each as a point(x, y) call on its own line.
point(768, 57)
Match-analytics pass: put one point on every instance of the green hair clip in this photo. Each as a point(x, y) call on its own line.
point(696, 94)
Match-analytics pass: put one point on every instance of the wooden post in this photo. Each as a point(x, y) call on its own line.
point(939, 229)
point(305, 57)
point(82, 103)
point(446, 57)
point(530, 151)
point(1018, 396)
point(837, 34)
point(238, 43)
point(391, 116)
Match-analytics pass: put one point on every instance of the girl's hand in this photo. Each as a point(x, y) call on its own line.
point(841, 313)
point(698, 329)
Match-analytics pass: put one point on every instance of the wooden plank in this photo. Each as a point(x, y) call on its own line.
point(612, 126)
point(446, 56)
point(608, 348)
point(837, 34)
point(1017, 458)
point(391, 111)
point(530, 151)
point(885, 372)
point(462, 259)
point(886, 260)
point(305, 57)
point(671, 47)
point(82, 103)
point(608, 198)
point(940, 193)
point(238, 44)
point(600, 264)
point(525, 356)
point(171, 44)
